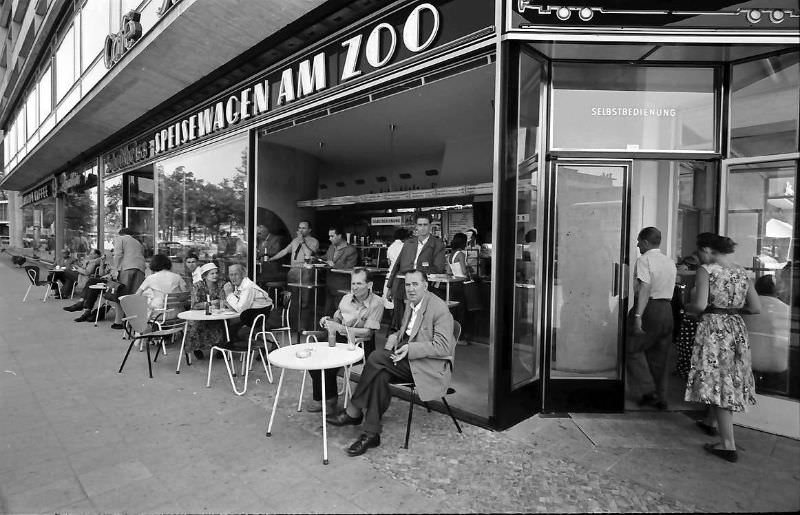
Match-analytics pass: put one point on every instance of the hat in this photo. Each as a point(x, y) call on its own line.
point(205, 268)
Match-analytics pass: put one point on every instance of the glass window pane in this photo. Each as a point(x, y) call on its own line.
point(202, 198)
point(65, 64)
point(45, 94)
point(764, 99)
point(80, 215)
point(39, 222)
point(32, 114)
point(12, 138)
point(20, 125)
point(620, 107)
point(761, 220)
point(95, 23)
point(525, 356)
point(112, 217)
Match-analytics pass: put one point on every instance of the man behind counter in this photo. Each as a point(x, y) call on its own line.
point(340, 255)
point(303, 247)
point(425, 253)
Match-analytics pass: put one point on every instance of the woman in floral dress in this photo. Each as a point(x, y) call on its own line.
point(201, 335)
point(721, 374)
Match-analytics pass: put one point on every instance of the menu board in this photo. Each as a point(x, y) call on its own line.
point(459, 220)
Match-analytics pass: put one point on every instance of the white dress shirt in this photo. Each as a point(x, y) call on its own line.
point(657, 270)
point(248, 296)
point(420, 244)
point(413, 319)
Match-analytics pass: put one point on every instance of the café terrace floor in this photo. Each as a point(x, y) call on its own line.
point(77, 437)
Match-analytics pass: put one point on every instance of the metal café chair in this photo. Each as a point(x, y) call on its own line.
point(135, 307)
point(245, 350)
point(32, 271)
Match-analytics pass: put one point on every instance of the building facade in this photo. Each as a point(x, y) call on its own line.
point(547, 131)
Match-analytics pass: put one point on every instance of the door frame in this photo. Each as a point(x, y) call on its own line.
point(573, 394)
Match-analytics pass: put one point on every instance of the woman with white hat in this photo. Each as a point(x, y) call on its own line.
point(201, 335)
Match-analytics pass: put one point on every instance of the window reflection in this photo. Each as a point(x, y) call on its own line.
point(764, 99)
point(39, 221)
point(80, 215)
point(761, 219)
point(202, 198)
point(112, 218)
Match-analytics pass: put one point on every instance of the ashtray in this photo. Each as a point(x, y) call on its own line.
point(302, 354)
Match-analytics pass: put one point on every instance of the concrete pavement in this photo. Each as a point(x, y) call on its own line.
point(77, 437)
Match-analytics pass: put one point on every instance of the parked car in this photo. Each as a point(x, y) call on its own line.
point(173, 249)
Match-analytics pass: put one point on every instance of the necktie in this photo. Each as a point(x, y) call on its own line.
point(297, 250)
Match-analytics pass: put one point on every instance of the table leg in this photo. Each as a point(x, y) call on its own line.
point(302, 389)
point(183, 346)
point(447, 293)
point(316, 271)
point(324, 422)
point(227, 334)
point(275, 403)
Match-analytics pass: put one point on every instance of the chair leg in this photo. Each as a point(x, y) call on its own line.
point(126, 357)
point(449, 412)
point(408, 424)
point(149, 363)
point(27, 292)
point(157, 351)
point(210, 362)
point(47, 292)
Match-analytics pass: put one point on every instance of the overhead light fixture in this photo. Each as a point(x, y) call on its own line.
point(405, 175)
point(777, 15)
point(586, 13)
point(380, 179)
point(340, 184)
point(360, 181)
point(431, 173)
point(323, 186)
point(754, 15)
point(563, 13)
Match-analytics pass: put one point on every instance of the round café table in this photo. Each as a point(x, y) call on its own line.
point(200, 314)
point(321, 357)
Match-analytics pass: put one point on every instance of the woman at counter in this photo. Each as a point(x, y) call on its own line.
point(201, 334)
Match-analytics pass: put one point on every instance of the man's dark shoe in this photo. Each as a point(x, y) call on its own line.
point(74, 307)
point(198, 354)
point(117, 326)
point(364, 442)
point(85, 317)
point(343, 419)
point(725, 454)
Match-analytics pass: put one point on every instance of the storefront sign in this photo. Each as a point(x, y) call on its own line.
point(400, 35)
point(76, 181)
point(386, 220)
point(117, 45)
point(643, 111)
point(675, 14)
point(39, 193)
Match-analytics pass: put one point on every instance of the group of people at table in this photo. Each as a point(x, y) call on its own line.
point(420, 350)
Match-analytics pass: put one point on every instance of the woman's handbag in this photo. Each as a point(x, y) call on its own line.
point(114, 290)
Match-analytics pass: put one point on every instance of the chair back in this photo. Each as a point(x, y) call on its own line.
point(286, 303)
point(456, 330)
point(32, 271)
point(135, 309)
point(174, 303)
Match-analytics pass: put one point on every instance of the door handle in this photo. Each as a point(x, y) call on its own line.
point(615, 283)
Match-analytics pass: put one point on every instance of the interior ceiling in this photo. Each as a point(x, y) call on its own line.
point(425, 118)
point(652, 52)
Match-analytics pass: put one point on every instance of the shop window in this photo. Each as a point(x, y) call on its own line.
point(202, 200)
point(112, 211)
point(764, 97)
point(138, 200)
point(95, 21)
point(761, 219)
point(65, 64)
point(80, 214)
point(633, 108)
point(525, 350)
point(369, 171)
point(39, 222)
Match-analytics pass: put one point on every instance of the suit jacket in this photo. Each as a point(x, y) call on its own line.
point(128, 254)
point(431, 346)
point(432, 253)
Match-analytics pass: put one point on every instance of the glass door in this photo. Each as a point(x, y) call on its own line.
point(141, 220)
point(587, 301)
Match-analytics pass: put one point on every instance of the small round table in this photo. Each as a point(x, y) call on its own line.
point(200, 314)
point(322, 357)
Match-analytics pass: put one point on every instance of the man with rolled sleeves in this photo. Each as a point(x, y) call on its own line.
point(303, 247)
point(651, 320)
point(421, 351)
point(424, 252)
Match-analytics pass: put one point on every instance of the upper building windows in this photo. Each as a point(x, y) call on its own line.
point(65, 64)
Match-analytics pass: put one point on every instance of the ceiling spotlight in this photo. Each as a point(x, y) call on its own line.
point(380, 179)
point(777, 16)
point(563, 13)
point(360, 181)
point(405, 175)
point(754, 16)
point(323, 186)
point(586, 14)
point(431, 173)
point(340, 184)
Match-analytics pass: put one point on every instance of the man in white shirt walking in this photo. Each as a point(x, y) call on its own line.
point(651, 320)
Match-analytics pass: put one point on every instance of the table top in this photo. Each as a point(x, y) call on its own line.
point(439, 278)
point(200, 314)
point(372, 269)
point(98, 286)
point(322, 356)
point(307, 266)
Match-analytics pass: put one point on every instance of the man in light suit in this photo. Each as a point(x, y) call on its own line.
point(421, 351)
point(424, 253)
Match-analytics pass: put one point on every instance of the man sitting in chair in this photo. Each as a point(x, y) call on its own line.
point(359, 316)
point(246, 298)
point(421, 351)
